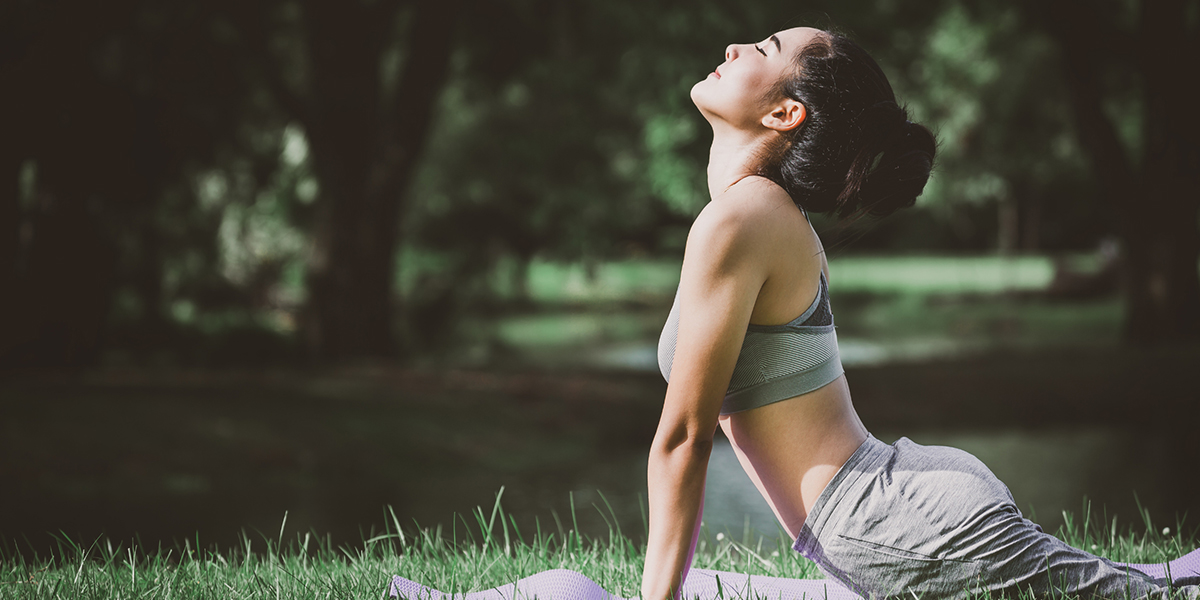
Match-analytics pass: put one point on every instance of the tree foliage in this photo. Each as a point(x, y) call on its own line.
point(1125, 67)
point(355, 174)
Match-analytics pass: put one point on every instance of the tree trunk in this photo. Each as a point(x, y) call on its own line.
point(1008, 218)
point(10, 213)
point(1157, 207)
point(1167, 221)
point(364, 148)
point(10, 223)
point(12, 152)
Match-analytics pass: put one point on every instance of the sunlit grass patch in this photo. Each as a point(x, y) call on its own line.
point(940, 274)
point(925, 274)
point(627, 280)
point(888, 309)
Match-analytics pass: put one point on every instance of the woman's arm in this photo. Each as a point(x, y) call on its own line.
point(719, 284)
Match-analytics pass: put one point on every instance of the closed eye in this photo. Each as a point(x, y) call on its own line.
point(760, 50)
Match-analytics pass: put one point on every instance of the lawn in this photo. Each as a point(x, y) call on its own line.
point(926, 274)
point(478, 552)
point(888, 309)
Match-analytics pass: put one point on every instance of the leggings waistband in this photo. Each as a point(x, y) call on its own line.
point(867, 459)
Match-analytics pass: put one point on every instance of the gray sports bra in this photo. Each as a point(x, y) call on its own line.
point(776, 362)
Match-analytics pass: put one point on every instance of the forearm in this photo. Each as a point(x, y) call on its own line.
point(676, 495)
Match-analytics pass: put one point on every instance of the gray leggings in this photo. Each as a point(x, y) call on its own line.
point(906, 519)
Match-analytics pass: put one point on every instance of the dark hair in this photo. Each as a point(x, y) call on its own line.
point(856, 152)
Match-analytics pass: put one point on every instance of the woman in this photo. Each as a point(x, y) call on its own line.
point(806, 120)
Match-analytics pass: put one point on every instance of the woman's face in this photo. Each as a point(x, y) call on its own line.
point(737, 91)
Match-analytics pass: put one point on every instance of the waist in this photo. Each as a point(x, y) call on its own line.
point(794, 448)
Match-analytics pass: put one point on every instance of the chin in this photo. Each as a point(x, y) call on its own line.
point(698, 95)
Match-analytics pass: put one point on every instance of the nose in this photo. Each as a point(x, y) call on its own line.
point(731, 52)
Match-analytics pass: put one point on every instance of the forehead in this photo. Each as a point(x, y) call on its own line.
point(796, 38)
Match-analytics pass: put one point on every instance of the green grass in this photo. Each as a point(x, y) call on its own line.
point(905, 307)
point(480, 552)
point(940, 274)
point(550, 282)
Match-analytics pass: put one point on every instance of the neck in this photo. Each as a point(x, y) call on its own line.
point(735, 154)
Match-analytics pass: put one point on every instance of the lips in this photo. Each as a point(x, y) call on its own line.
point(717, 72)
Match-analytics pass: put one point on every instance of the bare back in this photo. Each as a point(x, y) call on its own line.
point(791, 449)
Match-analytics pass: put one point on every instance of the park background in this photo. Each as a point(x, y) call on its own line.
point(327, 257)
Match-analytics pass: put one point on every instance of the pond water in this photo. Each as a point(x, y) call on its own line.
point(162, 458)
point(162, 463)
point(1047, 471)
point(854, 351)
point(1117, 467)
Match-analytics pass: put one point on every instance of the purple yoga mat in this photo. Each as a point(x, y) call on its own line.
point(563, 584)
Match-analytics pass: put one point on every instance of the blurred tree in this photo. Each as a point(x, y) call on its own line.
point(108, 108)
point(550, 155)
point(363, 84)
point(1144, 150)
point(589, 150)
point(167, 162)
point(989, 87)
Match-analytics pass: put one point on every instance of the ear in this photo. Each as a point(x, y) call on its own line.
point(785, 116)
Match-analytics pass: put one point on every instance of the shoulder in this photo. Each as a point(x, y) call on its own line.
point(742, 220)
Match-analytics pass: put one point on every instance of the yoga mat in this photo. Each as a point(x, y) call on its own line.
point(563, 584)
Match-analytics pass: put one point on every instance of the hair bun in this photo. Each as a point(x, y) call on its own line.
point(898, 172)
point(892, 165)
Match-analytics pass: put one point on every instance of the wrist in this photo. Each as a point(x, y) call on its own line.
point(651, 591)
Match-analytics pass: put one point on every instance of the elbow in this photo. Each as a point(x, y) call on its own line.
point(678, 462)
point(683, 444)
